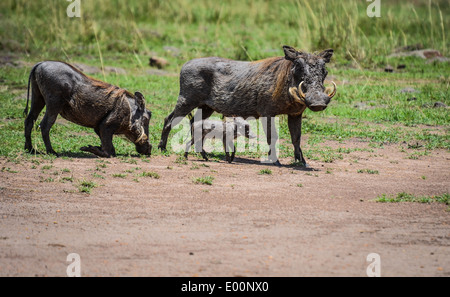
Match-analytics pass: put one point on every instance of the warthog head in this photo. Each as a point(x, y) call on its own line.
point(140, 119)
point(309, 73)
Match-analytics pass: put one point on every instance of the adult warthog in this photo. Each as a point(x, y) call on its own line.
point(265, 88)
point(87, 102)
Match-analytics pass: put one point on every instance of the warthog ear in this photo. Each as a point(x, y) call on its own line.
point(140, 100)
point(290, 53)
point(326, 55)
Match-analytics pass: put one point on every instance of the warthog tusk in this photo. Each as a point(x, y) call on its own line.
point(140, 136)
point(302, 95)
point(331, 95)
point(294, 91)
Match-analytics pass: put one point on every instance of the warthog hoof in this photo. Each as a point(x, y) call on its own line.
point(96, 150)
point(162, 147)
point(277, 163)
point(52, 152)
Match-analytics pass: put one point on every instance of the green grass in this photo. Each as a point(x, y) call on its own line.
point(150, 174)
point(369, 171)
point(7, 169)
point(86, 186)
point(126, 33)
point(205, 180)
point(237, 29)
point(66, 179)
point(406, 197)
point(119, 175)
point(265, 171)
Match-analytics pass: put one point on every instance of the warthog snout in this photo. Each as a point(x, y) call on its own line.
point(319, 107)
point(315, 100)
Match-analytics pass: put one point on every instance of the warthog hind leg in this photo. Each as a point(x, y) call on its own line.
point(47, 122)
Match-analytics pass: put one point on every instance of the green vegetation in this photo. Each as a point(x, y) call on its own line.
point(126, 33)
point(119, 175)
point(205, 180)
point(150, 174)
point(265, 171)
point(369, 171)
point(405, 197)
point(7, 169)
point(86, 186)
point(66, 179)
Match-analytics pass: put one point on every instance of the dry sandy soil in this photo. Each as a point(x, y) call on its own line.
point(245, 224)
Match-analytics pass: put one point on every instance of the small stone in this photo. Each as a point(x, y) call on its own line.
point(439, 105)
point(158, 62)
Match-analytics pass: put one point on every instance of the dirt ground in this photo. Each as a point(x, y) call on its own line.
point(321, 221)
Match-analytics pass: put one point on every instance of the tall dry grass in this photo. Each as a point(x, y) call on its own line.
point(238, 29)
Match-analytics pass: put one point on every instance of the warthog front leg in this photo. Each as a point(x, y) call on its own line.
point(106, 132)
point(96, 150)
point(295, 128)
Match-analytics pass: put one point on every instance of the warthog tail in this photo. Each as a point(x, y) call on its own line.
point(25, 111)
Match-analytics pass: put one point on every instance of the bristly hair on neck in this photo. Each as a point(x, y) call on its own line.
point(280, 68)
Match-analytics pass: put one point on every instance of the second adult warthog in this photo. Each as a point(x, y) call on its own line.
point(265, 88)
point(88, 102)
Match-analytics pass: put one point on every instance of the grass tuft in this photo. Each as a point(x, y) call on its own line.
point(205, 180)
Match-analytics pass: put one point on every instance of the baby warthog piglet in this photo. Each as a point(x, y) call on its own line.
point(227, 131)
point(88, 102)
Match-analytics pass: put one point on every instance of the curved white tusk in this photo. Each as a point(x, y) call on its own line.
point(302, 95)
point(140, 136)
point(294, 93)
point(331, 95)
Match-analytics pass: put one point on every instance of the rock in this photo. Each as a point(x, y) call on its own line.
point(424, 54)
point(408, 48)
point(439, 105)
point(158, 62)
